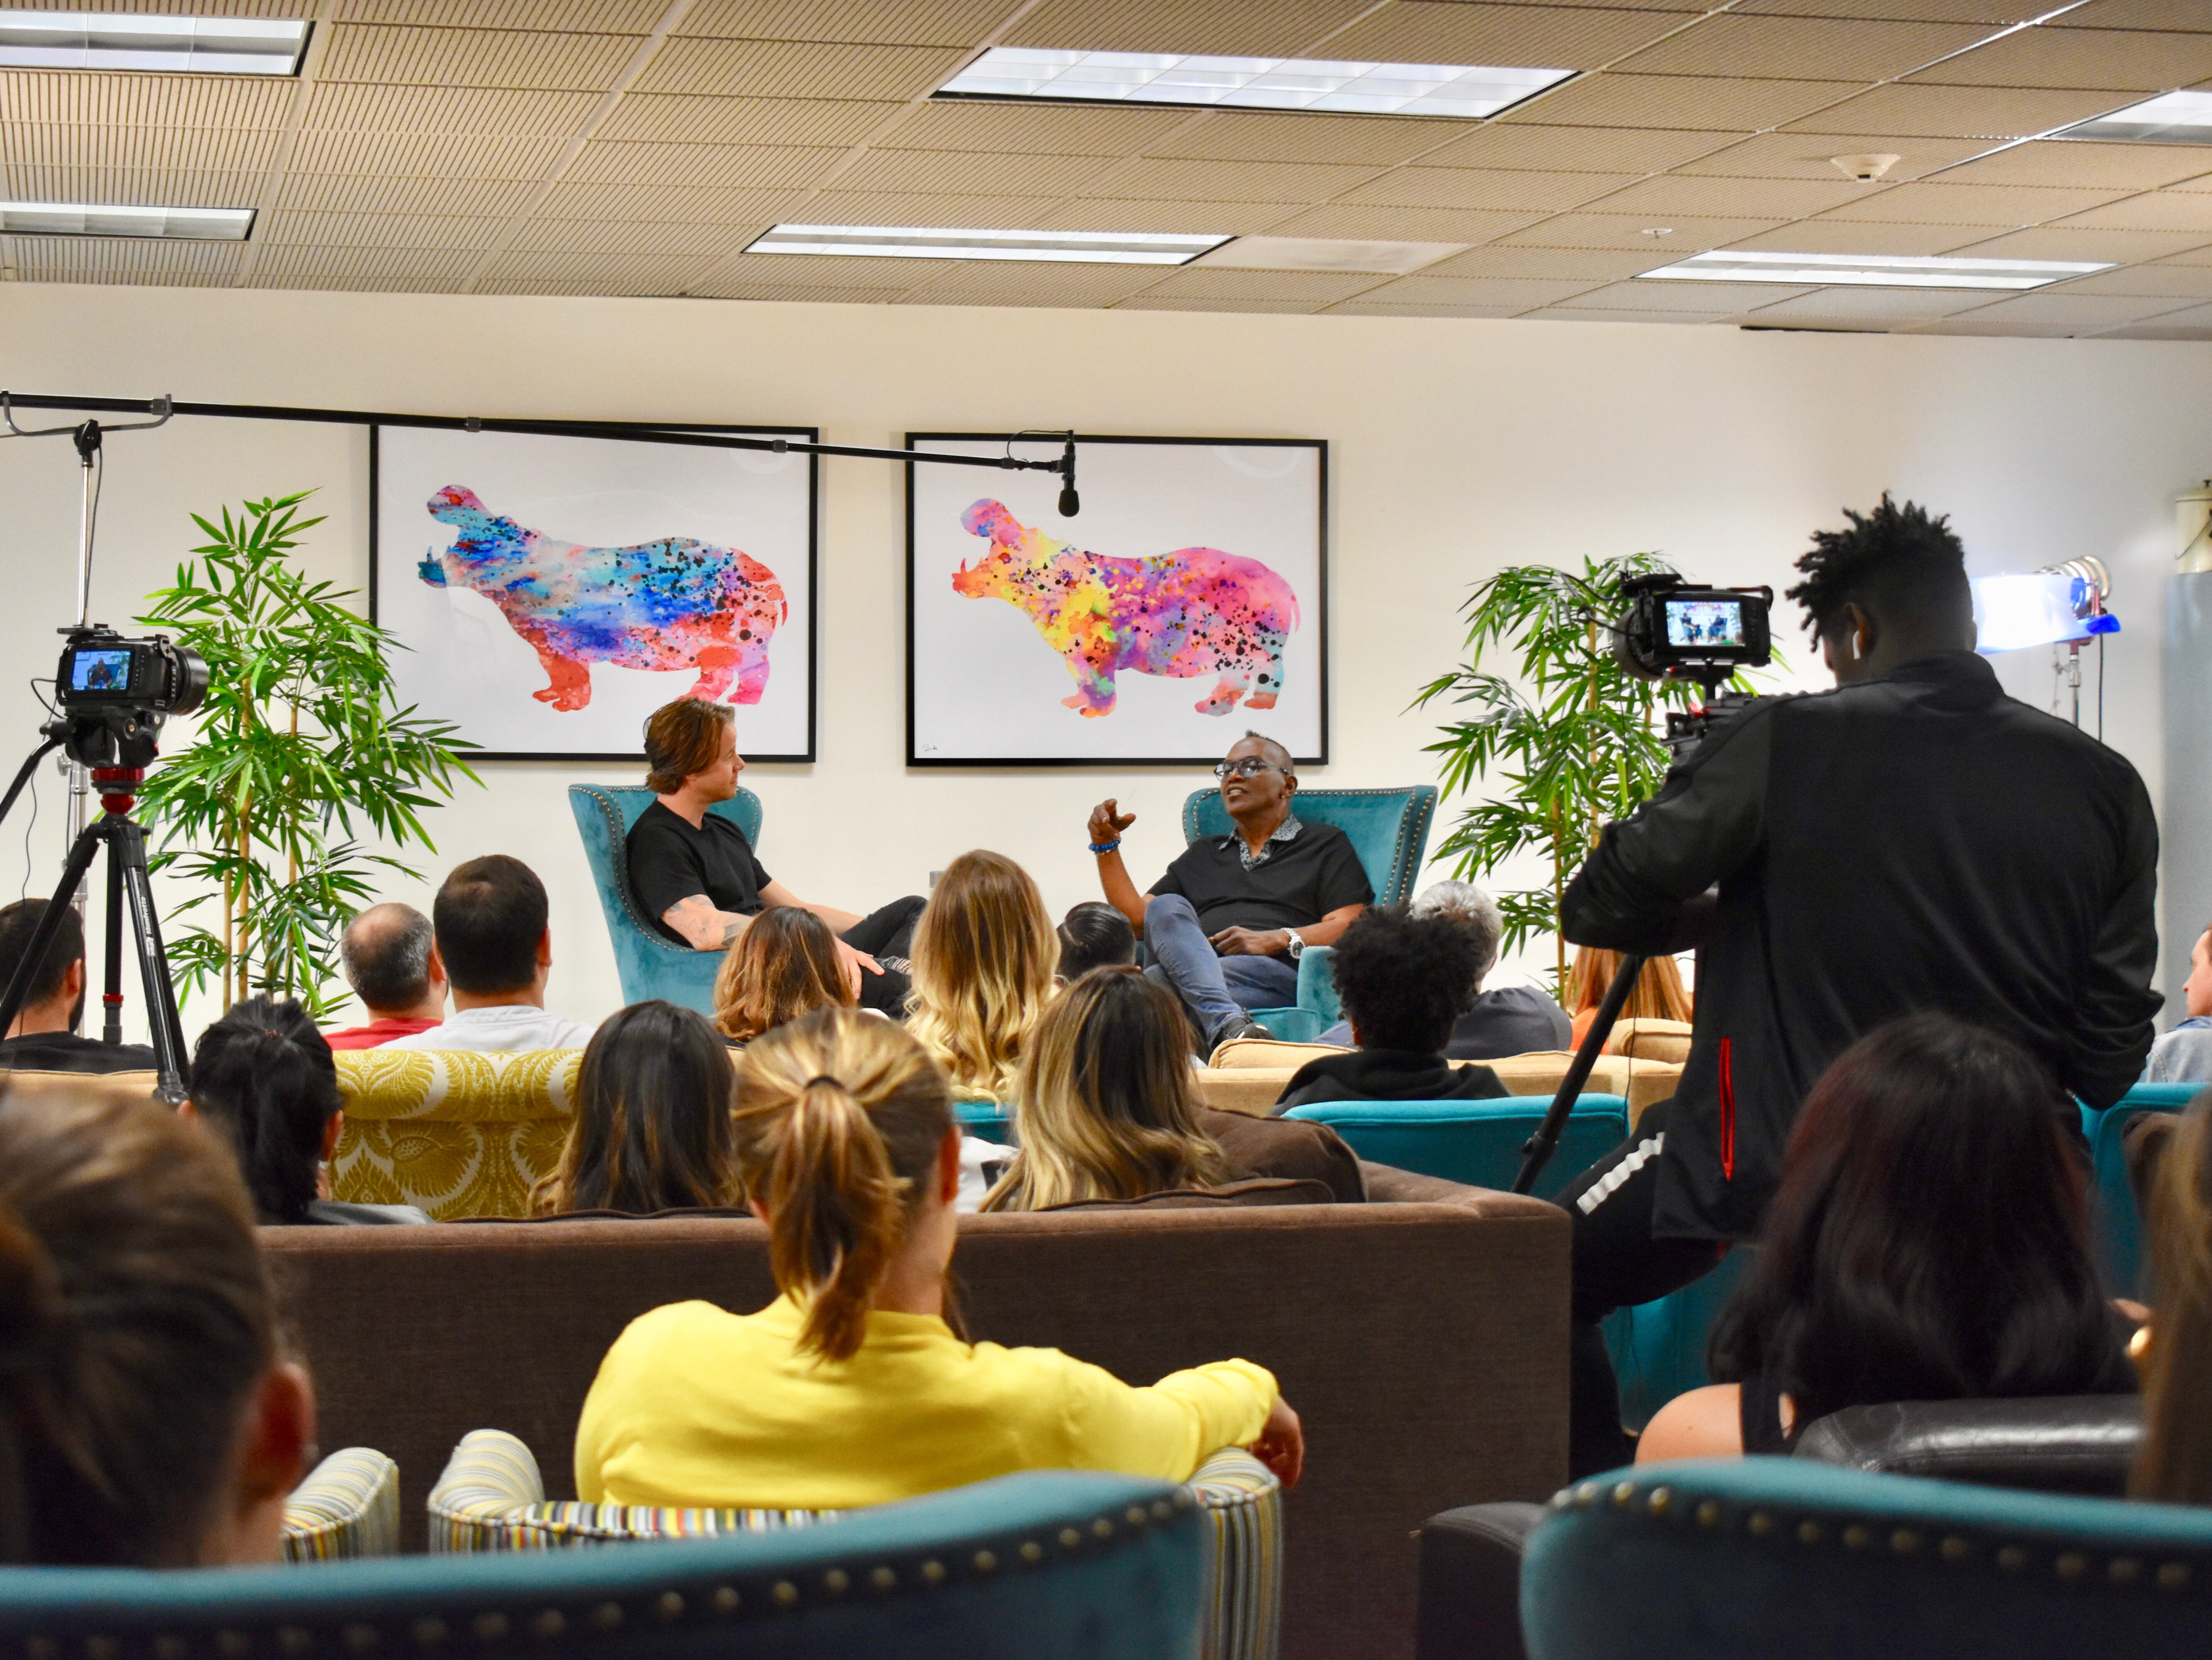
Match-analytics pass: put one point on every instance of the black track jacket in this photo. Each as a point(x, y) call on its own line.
point(1919, 842)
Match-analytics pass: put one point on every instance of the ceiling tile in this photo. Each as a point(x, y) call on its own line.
point(645, 282)
point(1889, 305)
point(1530, 36)
point(418, 110)
point(887, 22)
point(1210, 282)
point(1169, 179)
point(1806, 156)
point(2166, 209)
point(281, 266)
point(1282, 28)
point(1387, 308)
point(1580, 313)
point(1661, 295)
point(704, 289)
point(127, 260)
point(630, 236)
point(2156, 281)
point(378, 230)
point(1613, 230)
point(139, 186)
point(745, 120)
point(2194, 317)
point(2162, 329)
point(590, 16)
point(2137, 14)
point(333, 192)
point(1969, 325)
point(1587, 266)
point(947, 171)
point(844, 207)
point(1252, 135)
point(781, 69)
point(1293, 307)
point(2096, 166)
point(1040, 129)
point(1930, 202)
point(394, 55)
point(1401, 224)
point(728, 167)
point(144, 100)
point(1058, 285)
point(1506, 293)
point(1994, 13)
point(1953, 111)
point(663, 204)
point(1485, 187)
point(1809, 48)
point(1586, 149)
point(830, 270)
point(1223, 218)
point(622, 273)
point(1682, 101)
point(1860, 236)
point(1728, 199)
point(183, 149)
point(2082, 311)
point(2120, 60)
point(2062, 242)
point(429, 155)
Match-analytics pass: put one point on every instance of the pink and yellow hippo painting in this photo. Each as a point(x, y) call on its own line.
point(675, 604)
point(1196, 612)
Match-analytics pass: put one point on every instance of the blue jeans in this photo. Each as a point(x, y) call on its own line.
point(1217, 990)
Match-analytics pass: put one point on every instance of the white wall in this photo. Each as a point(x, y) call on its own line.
point(1457, 447)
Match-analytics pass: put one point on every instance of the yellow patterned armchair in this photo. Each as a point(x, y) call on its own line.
point(457, 1133)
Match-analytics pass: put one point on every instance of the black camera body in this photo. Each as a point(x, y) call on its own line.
point(1673, 630)
point(116, 693)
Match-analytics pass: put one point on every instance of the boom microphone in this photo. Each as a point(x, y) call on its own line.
point(1070, 502)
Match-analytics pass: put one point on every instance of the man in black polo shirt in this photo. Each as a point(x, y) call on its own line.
point(1226, 923)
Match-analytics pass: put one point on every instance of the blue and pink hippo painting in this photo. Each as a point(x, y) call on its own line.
point(1193, 613)
point(675, 604)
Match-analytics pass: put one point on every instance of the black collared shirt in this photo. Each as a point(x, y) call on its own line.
point(1300, 881)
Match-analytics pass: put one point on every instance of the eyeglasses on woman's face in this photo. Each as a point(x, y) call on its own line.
point(1250, 767)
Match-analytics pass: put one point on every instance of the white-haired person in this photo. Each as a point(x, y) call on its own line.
point(1510, 1020)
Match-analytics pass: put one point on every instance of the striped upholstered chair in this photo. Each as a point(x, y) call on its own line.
point(347, 1506)
point(491, 1497)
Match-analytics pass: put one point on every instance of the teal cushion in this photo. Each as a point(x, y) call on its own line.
point(1475, 1142)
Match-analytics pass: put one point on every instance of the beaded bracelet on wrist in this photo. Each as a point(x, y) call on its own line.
point(1106, 847)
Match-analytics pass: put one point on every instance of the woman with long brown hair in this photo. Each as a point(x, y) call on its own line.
point(2174, 1462)
point(984, 956)
point(854, 1387)
point(1105, 1106)
point(1658, 994)
point(651, 1127)
point(784, 965)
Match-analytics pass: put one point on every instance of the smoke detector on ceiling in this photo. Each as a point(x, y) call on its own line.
point(1864, 168)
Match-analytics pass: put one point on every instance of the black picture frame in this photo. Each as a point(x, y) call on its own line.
point(1032, 442)
point(643, 432)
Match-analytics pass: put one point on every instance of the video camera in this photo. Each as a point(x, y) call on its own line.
point(115, 694)
point(1673, 631)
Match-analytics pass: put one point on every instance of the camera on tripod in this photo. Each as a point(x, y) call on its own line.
point(115, 694)
point(1674, 631)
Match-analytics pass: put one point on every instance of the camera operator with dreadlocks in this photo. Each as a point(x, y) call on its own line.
point(1913, 840)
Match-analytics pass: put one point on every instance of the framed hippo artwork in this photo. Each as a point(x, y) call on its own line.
point(1189, 602)
point(553, 591)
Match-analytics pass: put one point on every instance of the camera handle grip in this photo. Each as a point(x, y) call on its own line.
point(1540, 1147)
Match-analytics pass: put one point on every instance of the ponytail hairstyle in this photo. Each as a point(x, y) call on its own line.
point(135, 1320)
point(651, 1130)
point(840, 1118)
point(264, 1079)
point(984, 955)
point(2174, 1462)
point(783, 964)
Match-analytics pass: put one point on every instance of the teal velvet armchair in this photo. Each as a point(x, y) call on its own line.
point(1389, 831)
point(1044, 1563)
point(1476, 1143)
point(650, 965)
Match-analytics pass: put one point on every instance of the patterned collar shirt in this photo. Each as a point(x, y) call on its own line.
point(1286, 831)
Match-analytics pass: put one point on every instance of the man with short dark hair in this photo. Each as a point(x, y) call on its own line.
point(1913, 840)
point(1227, 923)
point(492, 943)
point(45, 1037)
point(387, 953)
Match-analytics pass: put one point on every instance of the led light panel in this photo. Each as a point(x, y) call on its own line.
point(81, 219)
point(2174, 117)
point(1464, 90)
point(110, 40)
point(913, 242)
point(1871, 270)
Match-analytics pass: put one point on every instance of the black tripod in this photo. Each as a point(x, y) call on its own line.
point(126, 879)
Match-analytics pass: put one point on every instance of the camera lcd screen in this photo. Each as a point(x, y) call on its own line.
point(100, 671)
point(1705, 623)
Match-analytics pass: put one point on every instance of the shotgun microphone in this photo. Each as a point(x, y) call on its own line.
point(1070, 502)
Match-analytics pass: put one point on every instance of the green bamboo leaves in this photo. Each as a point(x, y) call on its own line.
point(301, 751)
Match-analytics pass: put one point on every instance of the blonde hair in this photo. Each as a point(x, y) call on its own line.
point(1107, 1110)
point(984, 956)
point(839, 1120)
point(1658, 994)
point(2174, 1461)
point(784, 964)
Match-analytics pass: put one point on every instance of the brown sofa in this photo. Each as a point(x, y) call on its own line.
point(1423, 1341)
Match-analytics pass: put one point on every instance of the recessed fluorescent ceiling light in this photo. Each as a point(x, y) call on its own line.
point(1264, 83)
point(909, 242)
point(105, 41)
point(1872, 271)
point(79, 219)
point(1329, 254)
point(2174, 117)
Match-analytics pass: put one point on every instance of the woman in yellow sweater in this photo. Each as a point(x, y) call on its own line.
point(853, 1388)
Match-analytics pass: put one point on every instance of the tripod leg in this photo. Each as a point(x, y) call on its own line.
point(126, 845)
point(73, 869)
point(111, 1030)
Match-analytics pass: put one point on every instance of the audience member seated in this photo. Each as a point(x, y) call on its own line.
point(983, 958)
point(492, 943)
point(2183, 1056)
point(651, 1130)
point(148, 1419)
point(1403, 981)
point(1511, 1020)
point(44, 1037)
point(263, 1081)
point(855, 1387)
point(784, 965)
point(694, 874)
point(386, 954)
point(1093, 935)
point(1228, 922)
point(1108, 1110)
point(1929, 1241)
point(2173, 1464)
point(1657, 995)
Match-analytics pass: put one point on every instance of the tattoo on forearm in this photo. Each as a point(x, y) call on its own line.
point(731, 932)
